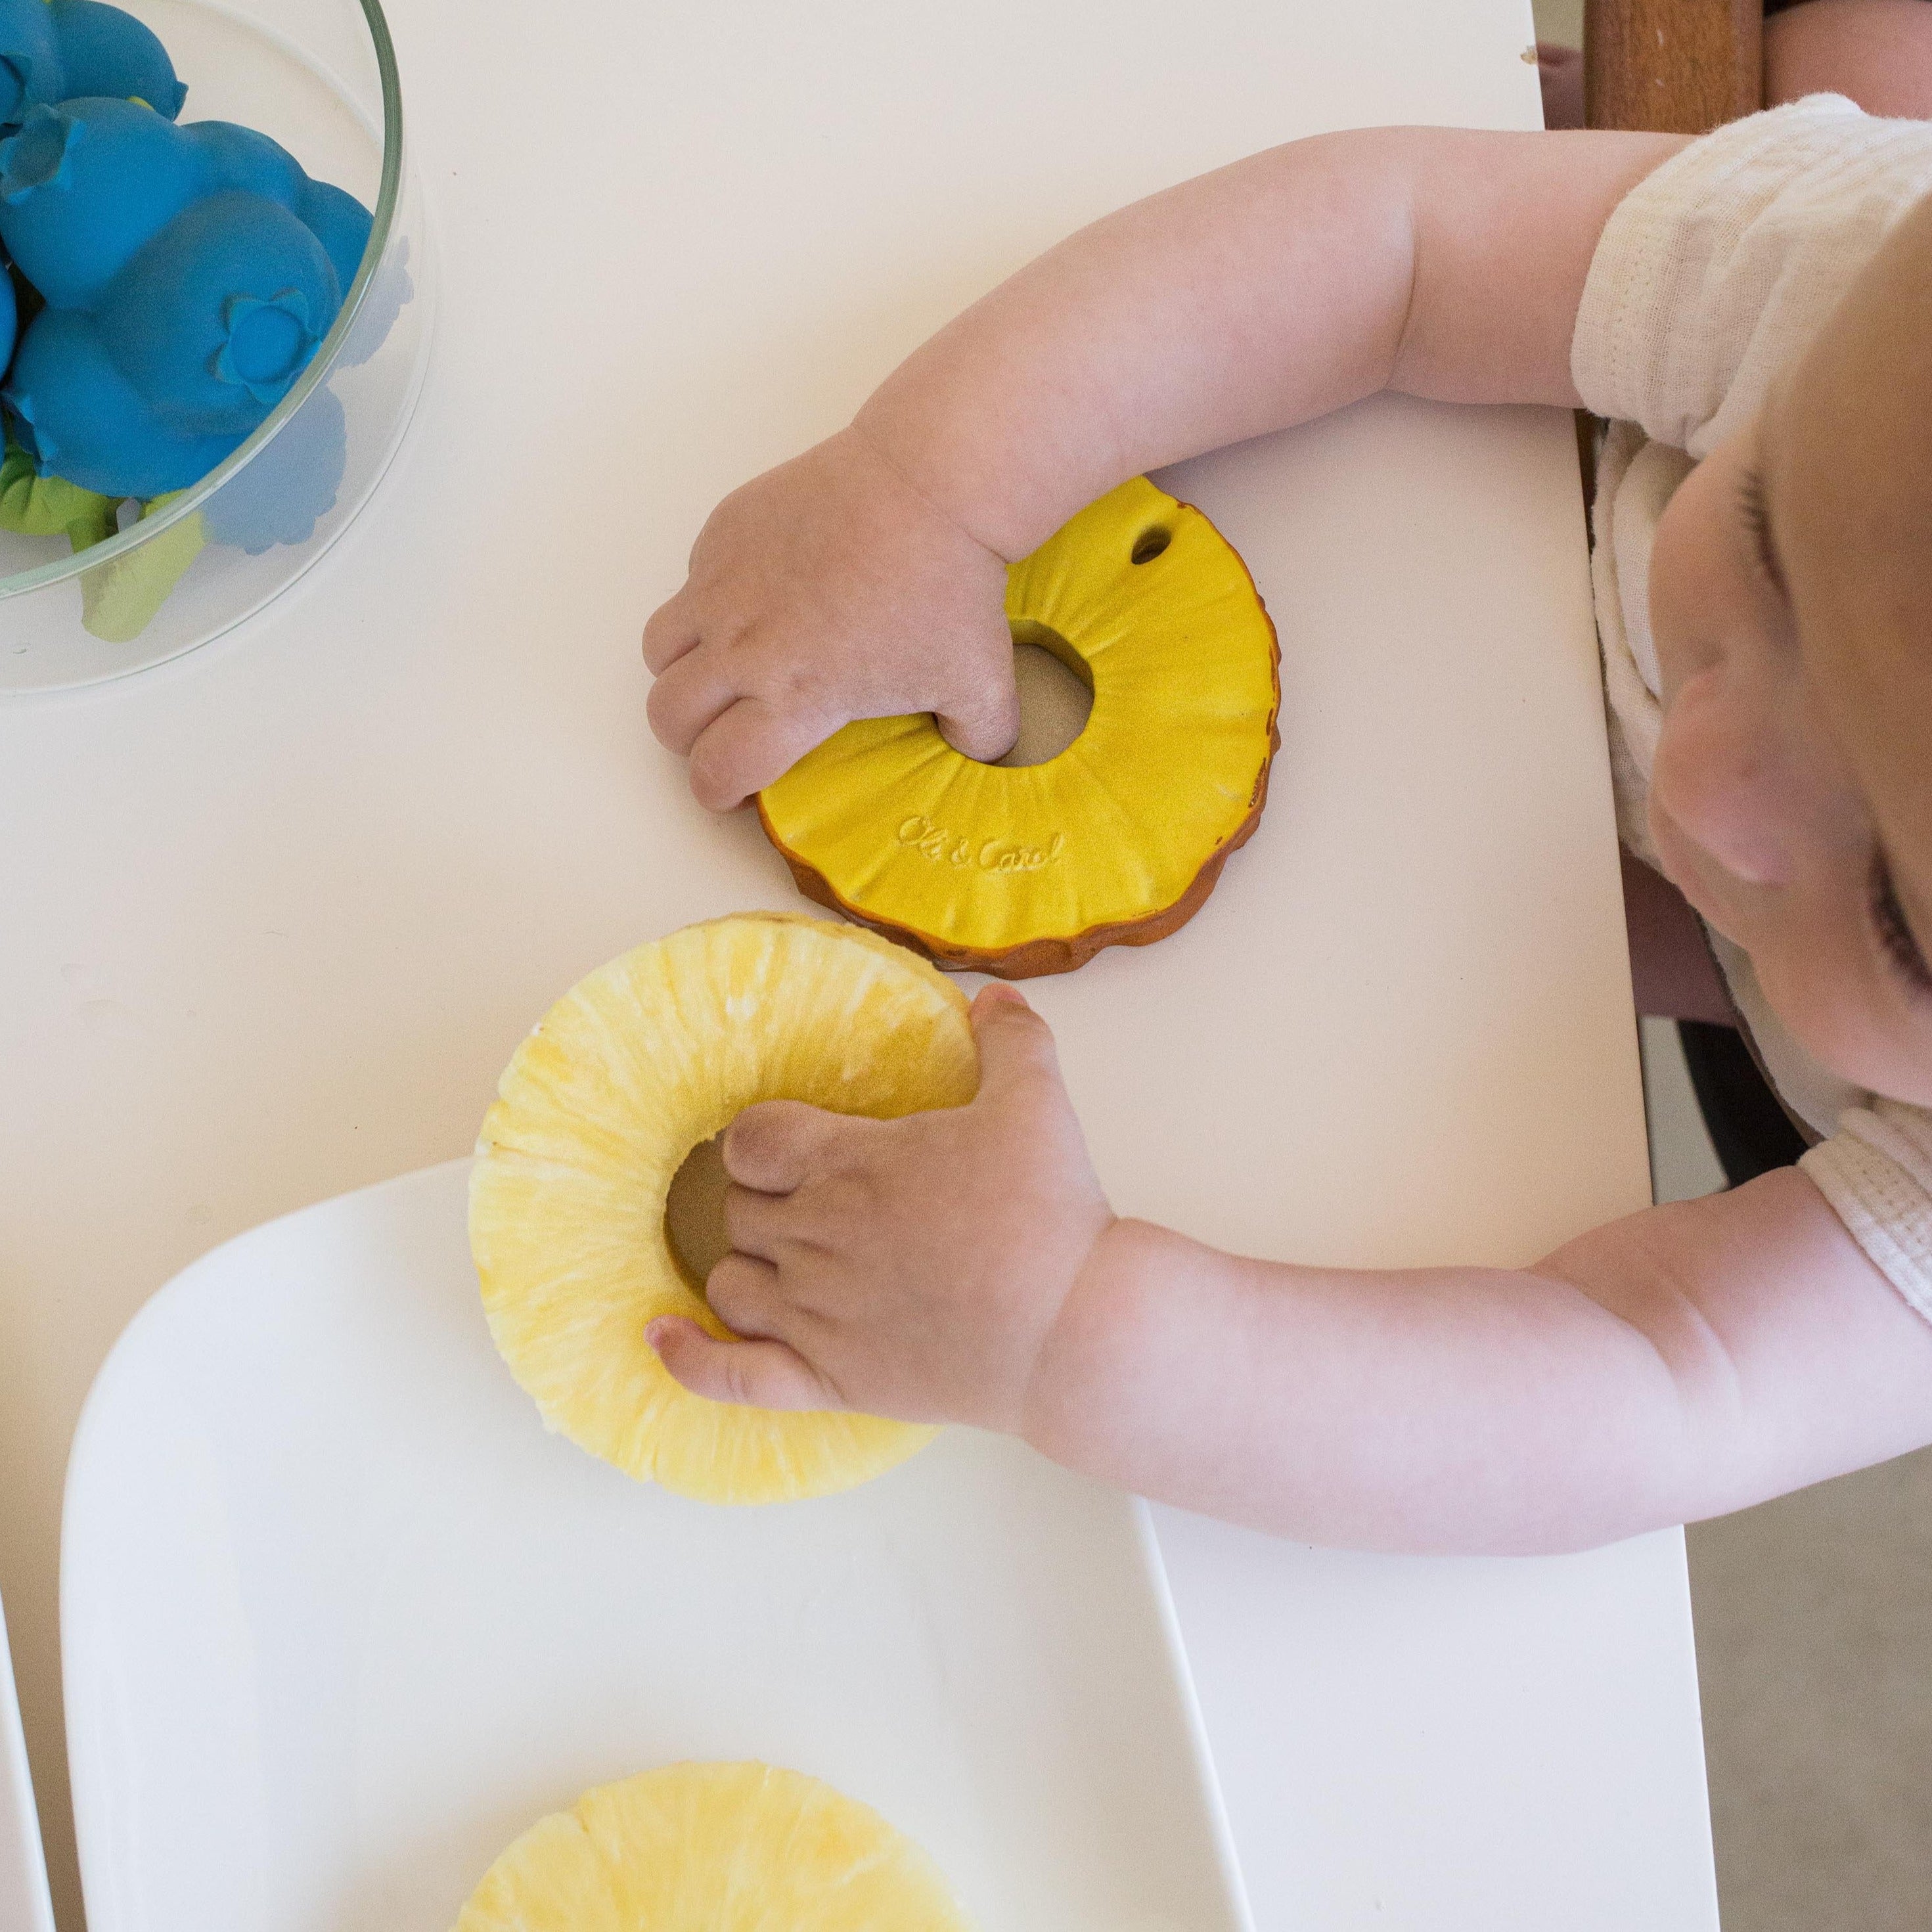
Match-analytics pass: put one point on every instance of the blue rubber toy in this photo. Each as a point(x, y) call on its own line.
point(54, 50)
point(189, 273)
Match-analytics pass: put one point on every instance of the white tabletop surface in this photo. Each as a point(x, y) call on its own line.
point(272, 918)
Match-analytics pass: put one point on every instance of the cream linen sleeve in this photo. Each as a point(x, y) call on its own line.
point(1711, 274)
point(1715, 272)
point(1876, 1172)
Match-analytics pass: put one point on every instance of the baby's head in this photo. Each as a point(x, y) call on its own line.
point(1791, 599)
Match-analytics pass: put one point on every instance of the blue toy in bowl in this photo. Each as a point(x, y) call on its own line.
point(189, 274)
point(52, 50)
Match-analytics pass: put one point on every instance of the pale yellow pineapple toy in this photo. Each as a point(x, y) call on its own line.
point(634, 1066)
point(713, 1848)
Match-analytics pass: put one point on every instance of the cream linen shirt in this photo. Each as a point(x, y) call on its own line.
point(1712, 275)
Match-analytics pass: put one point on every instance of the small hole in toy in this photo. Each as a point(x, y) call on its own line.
point(694, 1214)
point(1056, 694)
point(34, 153)
point(1056, 698)
point(1150, 543)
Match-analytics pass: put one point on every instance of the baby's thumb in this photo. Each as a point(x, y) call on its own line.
point(758, 1375)
point(984, 722)
point(1016, 1044)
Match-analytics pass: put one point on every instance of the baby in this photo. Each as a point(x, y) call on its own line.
point(1750, 311)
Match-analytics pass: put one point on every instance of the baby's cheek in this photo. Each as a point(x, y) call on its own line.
point(1715, 779)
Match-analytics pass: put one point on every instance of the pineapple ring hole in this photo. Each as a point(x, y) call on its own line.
point(1056, 694)
point(1150, 543)
point(694, 1214)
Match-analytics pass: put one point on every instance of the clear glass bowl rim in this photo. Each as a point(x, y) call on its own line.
point(320, 364)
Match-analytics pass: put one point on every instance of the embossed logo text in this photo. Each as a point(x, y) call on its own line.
point(944, 847)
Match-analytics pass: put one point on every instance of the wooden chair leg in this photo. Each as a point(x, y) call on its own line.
point(1672, 67)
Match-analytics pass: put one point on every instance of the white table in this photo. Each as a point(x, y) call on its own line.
point(271, 918)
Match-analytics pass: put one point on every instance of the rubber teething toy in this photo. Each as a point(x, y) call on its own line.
point(52, 50)
point(1117, 841)
point(628, 1071)
point(709, 1847)
point(189, 274)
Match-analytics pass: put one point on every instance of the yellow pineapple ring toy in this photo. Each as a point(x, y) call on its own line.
point(633, 1067)
point(713, 1848)
point(1118, 840)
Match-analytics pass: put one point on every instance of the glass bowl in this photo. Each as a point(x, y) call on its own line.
point(320, 77)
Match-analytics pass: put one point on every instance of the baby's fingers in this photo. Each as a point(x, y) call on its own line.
point(751, 745)
point(669, 631)
point(690, 695)
point(773, 1146)
point(1017, 1054)
point(742, 1291)
point(759, 1374)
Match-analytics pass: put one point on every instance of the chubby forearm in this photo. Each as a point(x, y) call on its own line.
point(1430, 1409)
point(963, 1265)
point(864, 578)
point(1260, 296)
point(1264, 294)
point(1669, 1366)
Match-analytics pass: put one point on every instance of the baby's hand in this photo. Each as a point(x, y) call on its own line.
point(827, 589)
point(912, 1267)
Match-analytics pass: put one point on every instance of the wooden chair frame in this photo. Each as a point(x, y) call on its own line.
point(1672, 67)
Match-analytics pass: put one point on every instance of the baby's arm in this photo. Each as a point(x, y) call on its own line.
point(1878, 52)
point(865, 577)
point(964, 1266)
